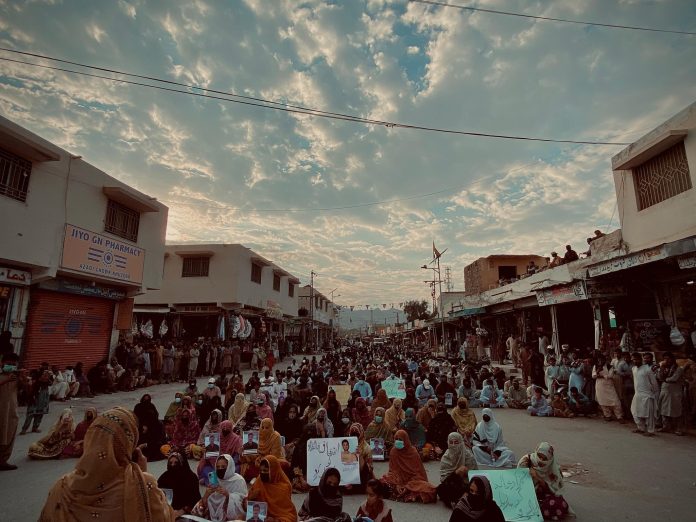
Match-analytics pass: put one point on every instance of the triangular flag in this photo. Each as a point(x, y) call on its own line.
point(436, 253)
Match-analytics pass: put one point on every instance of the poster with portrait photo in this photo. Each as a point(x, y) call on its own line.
point(212, 445)
point(378, 450)
point(336, 452)
point(256, 511)
point(250, 440)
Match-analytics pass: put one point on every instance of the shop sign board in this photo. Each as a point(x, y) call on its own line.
point(273, 310)
point(602, 290)
point(79, 288)
point(15, 277)
point(687, 262)
point(102, 256)
point(631, 260)
point(561, 294)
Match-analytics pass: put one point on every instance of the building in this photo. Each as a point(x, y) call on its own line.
point(207, 288)
point(76, 246)
point(489, 272)
point(321, 312)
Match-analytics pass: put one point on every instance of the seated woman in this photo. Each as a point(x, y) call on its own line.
point(310, 412)
point(395, 415)
point(488, 444)
point(540, 407)
point(560, 407)
point(238, 409)
point(274, 488)
point(361, 413)
point(415, 430)
point(60, 435)
point(323, 503)
point(263, 407)
point(128, 492)
point(464, 418)
point(406, 478)
point(377, 429)
point(364, 458)
point(226, 500)
point(182, 481)
point(426, 414)
point(230, 444)
point(374, 507)
point(269, 444)
point(185, 435)
point(548, 481)
point(291, 430)
point(299, 460)
point(211, 426)
point(438, 432)
point(491, 397)
point(381, 401)
point(477, 504)
point(325, 428)
point(454, 466)
point(74, 449)
point(151, 436)
point(173, 406)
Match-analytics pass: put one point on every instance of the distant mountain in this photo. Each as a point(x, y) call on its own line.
point(363, 318)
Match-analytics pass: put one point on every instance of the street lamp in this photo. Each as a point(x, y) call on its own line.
point(333, 305)
point(436, 270)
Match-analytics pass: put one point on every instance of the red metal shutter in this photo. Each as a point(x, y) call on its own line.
point(65, 329)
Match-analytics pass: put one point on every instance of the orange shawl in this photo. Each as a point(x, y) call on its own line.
point(105, 484)
point(277, 492)
point(406, 470)
point(269, 440)
point(381, 401)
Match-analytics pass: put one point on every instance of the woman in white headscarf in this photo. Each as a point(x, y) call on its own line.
point(454, 467)
point(548, 481)
point(488, 443)
point(224, 501)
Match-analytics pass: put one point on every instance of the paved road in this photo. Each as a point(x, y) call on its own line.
point(630, 477)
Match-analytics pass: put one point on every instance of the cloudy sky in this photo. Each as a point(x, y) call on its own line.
point(242, 174)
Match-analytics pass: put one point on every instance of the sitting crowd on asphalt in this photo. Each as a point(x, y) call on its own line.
point(445, 414)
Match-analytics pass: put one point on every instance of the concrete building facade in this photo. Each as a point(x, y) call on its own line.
point(205, 284)
point(76, 245)
point(487, 272)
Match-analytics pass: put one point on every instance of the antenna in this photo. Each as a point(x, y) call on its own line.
point(448, 279)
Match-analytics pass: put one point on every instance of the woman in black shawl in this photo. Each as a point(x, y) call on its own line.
point(441, 425)
point(145, 409)
point(477, 504)
point(299, 456)
point(323, 503)
point(291, 429)
point(182, 481)
point(151, 432)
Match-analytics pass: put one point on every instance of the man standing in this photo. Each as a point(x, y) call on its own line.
point(646, 389)
point(671, 376)
point(511, 344)
point(543, 343)
point(9, 381)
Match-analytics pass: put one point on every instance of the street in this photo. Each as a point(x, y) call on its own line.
point(629, 477)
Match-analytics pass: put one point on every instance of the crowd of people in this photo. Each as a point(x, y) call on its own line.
point(436, 420)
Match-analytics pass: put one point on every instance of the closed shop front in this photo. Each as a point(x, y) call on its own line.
point(65, 329)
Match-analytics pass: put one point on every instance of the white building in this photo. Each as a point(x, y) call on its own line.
point(75, 246)
point(321, 310)
point(204, 283)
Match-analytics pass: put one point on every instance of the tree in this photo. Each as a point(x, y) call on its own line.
point(416, 310)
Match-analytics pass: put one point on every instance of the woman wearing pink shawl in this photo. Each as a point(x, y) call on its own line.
point(263, 410)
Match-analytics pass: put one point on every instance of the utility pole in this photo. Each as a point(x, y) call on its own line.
point(333, 307)
point(442, 312)
point(311, 309)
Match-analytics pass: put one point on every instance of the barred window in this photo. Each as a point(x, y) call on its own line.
point(195, 267)
point(276, 282)
point(662, 177)
point(256, 273)
point(14, 176)
point(122, 221)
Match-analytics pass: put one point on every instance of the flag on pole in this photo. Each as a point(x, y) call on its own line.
point(436, 252)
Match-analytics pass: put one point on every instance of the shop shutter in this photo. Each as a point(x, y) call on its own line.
point(65, 329)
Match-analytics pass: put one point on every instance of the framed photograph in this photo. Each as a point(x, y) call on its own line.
point(251, 443)
point(212, 445)
point(378, 449)
point(449, 399)
point(256, 511)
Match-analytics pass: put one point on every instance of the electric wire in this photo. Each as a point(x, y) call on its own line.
point(551, 19)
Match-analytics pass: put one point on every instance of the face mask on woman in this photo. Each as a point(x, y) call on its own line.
point(221, 473)
point(177, 400)
point(399, 444)
point(211, 386)
point(345, 420)
point(199, 402)
point(378, 419)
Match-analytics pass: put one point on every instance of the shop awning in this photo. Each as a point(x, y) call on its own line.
point(467, 312)
point(160, 310)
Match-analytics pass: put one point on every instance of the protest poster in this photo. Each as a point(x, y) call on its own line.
point(342, 392)
point(449, 399)
point(251, 443)
point(377, 447)
point(212, 445)
point(337, 452)
point(256, 511)
point(395, 388)
point(513, 491)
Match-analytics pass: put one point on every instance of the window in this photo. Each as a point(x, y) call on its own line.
point(14, 176)
point(256, 273)
point(195, 267)
point(662, 177)
point(507, 272)
point(122, 221)
point(291, 290)
point(276, 282)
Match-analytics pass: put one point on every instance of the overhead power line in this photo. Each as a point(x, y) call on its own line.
point(269, 104)
point(551, 19)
